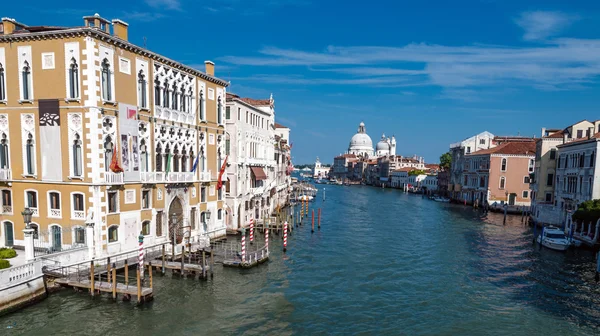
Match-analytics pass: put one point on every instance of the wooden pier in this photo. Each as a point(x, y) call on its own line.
point(182, 268)
point(107, 287)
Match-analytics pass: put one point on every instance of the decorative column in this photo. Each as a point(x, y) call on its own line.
point(29, 252)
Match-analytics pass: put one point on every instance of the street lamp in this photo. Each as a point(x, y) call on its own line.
point(207, 215)
point(27, 217)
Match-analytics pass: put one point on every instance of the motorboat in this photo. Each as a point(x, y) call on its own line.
point(554, 238)
point(441, 199)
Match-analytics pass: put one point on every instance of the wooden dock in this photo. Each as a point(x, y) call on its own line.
point(177, 266)
point(103, 286)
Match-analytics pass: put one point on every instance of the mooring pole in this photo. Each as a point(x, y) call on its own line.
point(114, 280)
point(312, 230)
point(92, 287)
point(139, 285)
point(108, 269)
point(150, 274)
point(212, 261)
point(203, 264)
point(285, 226)
point(182, 257)
point(163, 259)
point(319, 222)
point(126, 266)
point(597, 267)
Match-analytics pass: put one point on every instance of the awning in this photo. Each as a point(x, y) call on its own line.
point(259, 173)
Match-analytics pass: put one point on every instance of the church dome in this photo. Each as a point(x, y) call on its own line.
point(361, 143)
point(361, 140)
point(382, 145)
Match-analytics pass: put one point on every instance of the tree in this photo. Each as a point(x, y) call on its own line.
point(588, 211)
point(416, 172)
point(445, 161)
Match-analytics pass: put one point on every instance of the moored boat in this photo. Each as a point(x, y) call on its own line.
point(554, 238)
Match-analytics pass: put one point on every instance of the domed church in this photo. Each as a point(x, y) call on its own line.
point(386, 146)
point(361, 144)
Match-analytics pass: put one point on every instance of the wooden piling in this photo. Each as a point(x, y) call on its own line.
point(108, 270)
point(139, 285)
point(182, 259)
point(212, 261)
point(319, 222)
point(203, 264)
point(150, 273)
point(126, 273)
point(312, 228)
point(92, 288)
point(163, 259)
point(114, 282)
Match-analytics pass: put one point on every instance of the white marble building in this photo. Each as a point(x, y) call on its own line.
point(361, 143)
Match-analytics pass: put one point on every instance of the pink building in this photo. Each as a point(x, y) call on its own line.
point(499, 174)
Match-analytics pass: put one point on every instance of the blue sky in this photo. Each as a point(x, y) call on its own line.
point(429, 72)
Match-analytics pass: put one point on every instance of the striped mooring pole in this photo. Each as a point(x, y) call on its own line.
point(267, 240)
point(243, 246)
point(252, 231)
point(141, 254)
point(285, 228)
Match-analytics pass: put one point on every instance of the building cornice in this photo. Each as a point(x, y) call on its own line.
point(254, 108)
point(576, 143)
point(105, 37)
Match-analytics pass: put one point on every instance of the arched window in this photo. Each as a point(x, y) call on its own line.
point(108, 152)
point(113, 234)
point(26, 74)
point(4, 158)
point(54, 204)
point(30, 155)
point(502, 182)
point(220, 214)
point(36, 230)
point(184, 160)
point(31, 201)
point(192, 157)
point(2, 83)
point(176, 157)
point(157, 92)
point(73, 79)
point(168, 164)
point(146, 228)
point(106, 81)
point(183, 100)
point(166, 95)
point(144, 155)
point(174, 97)
point(158, 161)
point(142, 89)
point(77, 156)
point(200, 105)
point(503, 165)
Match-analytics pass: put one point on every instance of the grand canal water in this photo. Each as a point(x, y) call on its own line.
point(384, 263)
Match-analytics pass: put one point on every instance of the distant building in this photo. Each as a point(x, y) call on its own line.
point(458, 151)
point(340, 165)
point(319, 171)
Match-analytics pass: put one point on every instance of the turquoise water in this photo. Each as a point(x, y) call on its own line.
point(383, 263)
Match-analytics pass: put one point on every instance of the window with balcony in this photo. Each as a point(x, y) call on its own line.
point(157, 91)
point(106, 81)
point(77, 206)
point(159, 223)
point(146, 199)
point(143, 156)
point(6, 201)
point(184, 161)
point(73, 79)
point(201, 112)
point(2, 84)
point(146, 228)
point(108, 153)
point(183, 100)
point(26, 82)
point(113, 202)
point(4, 155)
point(54, 204)
point(502, 182)
point(158, 162)
point(503, 165)
point(113, 233)
point(166, 95)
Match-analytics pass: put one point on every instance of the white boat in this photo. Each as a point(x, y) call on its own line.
point(553, 238)
point(441, 199)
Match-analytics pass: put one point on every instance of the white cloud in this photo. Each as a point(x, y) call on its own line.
point(165, 4)
point(539, 25)
point(142, 16)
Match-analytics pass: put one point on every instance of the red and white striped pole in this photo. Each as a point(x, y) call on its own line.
point(243, 247)
point(252, 231)
point(285, 229)
point(267, 240)
point(141, 254)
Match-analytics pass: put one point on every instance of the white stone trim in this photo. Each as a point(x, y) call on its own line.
point(24, 55)
point(28, 127)
point(49, 56)
point(72, 205)
point(3, 63)
point(72, 52)
point(124, 69)
point(106, 52)
point(48, 205)
point(142, 65)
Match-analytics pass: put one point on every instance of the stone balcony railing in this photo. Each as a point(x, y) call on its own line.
point(56, 213)
point(205, 176)
point(6, 209)
point(113, 178)
point(5, 174)
point(77, 214)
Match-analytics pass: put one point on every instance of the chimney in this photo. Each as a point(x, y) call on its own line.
point(565, 135)
point(543, 132)
point(8, 26)
point(590, 132)
point(96, 21)
point(120, 29)
point(210, 68)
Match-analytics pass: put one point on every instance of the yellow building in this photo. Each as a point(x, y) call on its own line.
point(75, 100)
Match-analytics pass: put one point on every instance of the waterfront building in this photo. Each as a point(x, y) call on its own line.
point(499, 174)
point(281, 190)
point(103, 140)
point(458, 151)
point(251, 168)
point(429, 184)
point(399, 177)
point(544, 206)
point(576, 172)
point(340, 165)
point(320, 171)
point(443, 177)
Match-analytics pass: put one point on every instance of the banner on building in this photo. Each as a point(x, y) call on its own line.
point(50, 144)
point(128, 131)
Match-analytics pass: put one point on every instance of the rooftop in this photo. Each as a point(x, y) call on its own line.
point(510, 148)
point(250, 101)
point(278, 125)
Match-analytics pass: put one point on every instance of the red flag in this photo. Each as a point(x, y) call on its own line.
point(131, 113)
point(114, 162)
point(220, 183)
